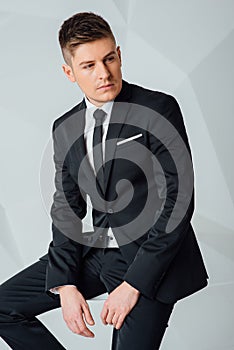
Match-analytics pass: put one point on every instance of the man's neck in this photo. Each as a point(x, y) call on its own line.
point(90, 104)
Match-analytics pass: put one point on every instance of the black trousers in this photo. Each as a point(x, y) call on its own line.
point(23, 297)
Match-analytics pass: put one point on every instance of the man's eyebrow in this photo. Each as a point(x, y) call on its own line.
point(110, 53)
point(85, 62)
point(91, 61)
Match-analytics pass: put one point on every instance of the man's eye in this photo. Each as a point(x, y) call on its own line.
point(88, 66)
point(110, 59)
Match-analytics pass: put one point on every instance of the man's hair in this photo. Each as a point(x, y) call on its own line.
point(82, 28)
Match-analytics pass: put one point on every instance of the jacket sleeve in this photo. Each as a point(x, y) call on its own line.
point(157, 252)
point(67, 211)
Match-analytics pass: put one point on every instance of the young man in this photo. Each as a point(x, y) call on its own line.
point(126, 147)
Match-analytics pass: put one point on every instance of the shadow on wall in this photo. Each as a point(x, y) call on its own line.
point(10, 257)
point(216, 236)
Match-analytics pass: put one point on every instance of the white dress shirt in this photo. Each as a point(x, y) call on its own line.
point(88, 136)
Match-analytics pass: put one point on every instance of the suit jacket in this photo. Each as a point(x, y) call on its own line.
point(166, 265)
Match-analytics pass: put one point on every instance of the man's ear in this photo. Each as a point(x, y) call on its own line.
point(119, 54)
point(68, 72)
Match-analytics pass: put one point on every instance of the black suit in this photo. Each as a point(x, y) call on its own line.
point(164, 267)
point(177, 273)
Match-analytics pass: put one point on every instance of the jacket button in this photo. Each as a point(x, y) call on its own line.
point(110, 211)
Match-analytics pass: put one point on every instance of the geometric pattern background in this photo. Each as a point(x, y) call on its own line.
point(185, 48)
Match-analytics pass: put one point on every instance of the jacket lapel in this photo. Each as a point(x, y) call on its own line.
point(119, 113)
point(79, 161)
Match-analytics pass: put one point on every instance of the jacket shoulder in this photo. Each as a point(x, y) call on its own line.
point(157, 100)
point(67, 114)
point(162, 103)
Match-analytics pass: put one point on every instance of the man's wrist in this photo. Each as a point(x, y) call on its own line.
point(66, 287)
point(133, 289)
point(57, 290)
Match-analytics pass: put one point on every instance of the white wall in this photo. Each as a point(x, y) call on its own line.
point(181, 47)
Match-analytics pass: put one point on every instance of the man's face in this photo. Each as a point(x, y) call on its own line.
point(96, 67)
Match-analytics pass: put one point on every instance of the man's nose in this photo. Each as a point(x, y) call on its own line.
point(102, 71)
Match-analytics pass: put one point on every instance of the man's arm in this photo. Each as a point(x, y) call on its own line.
point(157, 252)
point(68, 209)
point(64, 255)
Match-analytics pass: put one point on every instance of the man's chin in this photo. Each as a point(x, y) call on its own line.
point(108, 96)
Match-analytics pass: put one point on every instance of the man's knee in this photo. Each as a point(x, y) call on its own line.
point(8, 312)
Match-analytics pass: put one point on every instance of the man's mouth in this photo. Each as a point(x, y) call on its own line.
point(105, 87)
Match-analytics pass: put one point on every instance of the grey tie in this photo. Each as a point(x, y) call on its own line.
point(99, 116)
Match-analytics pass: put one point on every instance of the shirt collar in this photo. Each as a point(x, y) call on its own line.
point(106, 107)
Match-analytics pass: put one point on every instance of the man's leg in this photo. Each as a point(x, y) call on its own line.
point(145, 325)
point(23, 297)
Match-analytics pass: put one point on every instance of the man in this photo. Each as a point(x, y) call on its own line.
point(145, 260)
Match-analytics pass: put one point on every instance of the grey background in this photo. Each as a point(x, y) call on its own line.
point(181, 47)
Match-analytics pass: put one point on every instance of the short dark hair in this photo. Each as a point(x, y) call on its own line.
point(82, 28)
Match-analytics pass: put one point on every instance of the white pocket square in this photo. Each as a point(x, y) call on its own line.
point(129, 139)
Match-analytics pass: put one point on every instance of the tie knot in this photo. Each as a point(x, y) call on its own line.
point(99, 116)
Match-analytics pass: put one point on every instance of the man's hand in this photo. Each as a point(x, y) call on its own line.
point(75, 311)
point(118, 304)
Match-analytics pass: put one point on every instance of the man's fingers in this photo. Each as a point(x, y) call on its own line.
point(120, 321)
point(104, 314)
point(72, 326)
point(109, 317)
point(87, 315)
point(82, 329)
point(78, 326)
point(115, 319)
